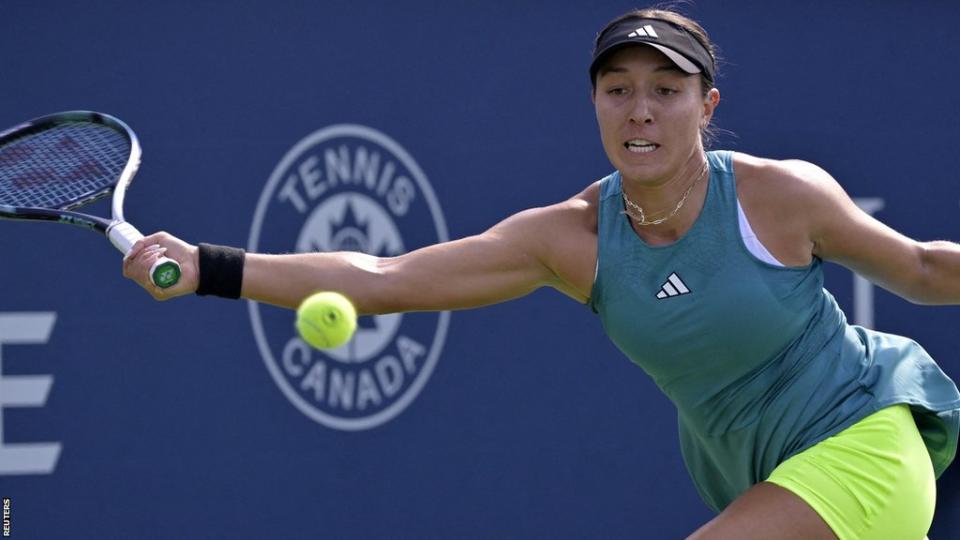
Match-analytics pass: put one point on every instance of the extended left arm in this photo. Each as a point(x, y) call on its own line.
point(933, 274)
point(921, 272)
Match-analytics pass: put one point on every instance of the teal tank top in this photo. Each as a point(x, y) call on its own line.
point(758, 359)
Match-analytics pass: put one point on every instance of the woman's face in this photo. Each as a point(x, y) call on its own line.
point(650, 113)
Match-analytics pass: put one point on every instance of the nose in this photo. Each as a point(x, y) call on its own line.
point(641, 112)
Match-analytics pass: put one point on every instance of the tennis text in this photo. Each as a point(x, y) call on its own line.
point(314, 176)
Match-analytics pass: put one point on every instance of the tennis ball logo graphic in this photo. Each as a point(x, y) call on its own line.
point(326, 320)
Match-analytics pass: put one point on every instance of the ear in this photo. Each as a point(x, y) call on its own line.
point(710, 103)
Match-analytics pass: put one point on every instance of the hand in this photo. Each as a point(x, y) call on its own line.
point(137, 263)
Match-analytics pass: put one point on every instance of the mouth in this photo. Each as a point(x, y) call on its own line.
point(640, 146)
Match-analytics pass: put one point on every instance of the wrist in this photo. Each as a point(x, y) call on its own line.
point(220, 270)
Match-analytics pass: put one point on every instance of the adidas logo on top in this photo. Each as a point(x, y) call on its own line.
point(644, 31)
point(674, 286)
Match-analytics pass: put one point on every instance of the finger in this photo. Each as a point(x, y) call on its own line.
point(154, 248)
point(138, 247)
point(139, 268)
point(134, 250)
point(135, 254)
point(156, 238)
point(149, 257)
point(129, 263)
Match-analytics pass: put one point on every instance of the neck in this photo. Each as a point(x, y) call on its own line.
point(652, 202)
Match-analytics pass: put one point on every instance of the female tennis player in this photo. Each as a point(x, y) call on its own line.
point(706, 270)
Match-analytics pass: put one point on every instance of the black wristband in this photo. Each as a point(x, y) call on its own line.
point(221, 271)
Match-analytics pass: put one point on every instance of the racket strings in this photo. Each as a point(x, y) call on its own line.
point(62, 166)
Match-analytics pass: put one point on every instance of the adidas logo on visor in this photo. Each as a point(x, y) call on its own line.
point(644, 31)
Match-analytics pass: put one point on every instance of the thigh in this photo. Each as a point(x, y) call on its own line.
point(872, 481)
point(766, 512)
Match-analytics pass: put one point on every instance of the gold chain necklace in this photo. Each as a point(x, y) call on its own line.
point(633, 209)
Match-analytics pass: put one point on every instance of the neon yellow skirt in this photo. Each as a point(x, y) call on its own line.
point(873, 480)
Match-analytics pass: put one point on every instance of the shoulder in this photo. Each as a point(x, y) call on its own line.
point(583, 206)
point(795, 203)
point(561, 236)
point(790, 177)
point(579, 212)
point(789, 185)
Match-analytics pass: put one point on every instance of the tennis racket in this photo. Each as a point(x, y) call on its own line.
point(55, 163)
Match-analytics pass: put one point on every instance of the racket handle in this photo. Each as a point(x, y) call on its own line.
point(164, 273)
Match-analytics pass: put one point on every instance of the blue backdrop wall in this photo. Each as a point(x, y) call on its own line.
point(386, 126)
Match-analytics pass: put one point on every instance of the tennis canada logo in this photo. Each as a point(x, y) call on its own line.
point(349, 188)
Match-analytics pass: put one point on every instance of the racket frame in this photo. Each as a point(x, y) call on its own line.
point(120, 233)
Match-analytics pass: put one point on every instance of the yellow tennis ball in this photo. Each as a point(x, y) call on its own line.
point(326, 320)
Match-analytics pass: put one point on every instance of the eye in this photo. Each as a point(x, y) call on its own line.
point(617, 91)
point(664, 91)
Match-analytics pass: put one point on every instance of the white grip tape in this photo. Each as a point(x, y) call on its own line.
point(123, 236)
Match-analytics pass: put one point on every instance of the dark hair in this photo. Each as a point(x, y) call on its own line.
point(670, 14)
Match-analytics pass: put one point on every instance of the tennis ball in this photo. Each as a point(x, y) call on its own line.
point(326, 320)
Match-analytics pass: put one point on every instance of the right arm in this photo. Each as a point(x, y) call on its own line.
point(502, 263)
point(528, 250)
